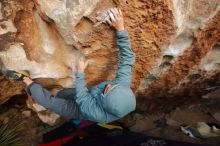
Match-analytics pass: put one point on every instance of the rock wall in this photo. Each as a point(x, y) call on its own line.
point(176, 43)
point(196, 37)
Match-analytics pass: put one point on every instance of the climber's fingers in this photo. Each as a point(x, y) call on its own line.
point(115, 19)
point(112, 18)
point(82, 59)
point(82, 64)
point(109, 22)
point(120, 12)
point(115, 12)
point(86, 63)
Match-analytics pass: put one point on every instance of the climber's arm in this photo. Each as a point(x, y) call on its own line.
point(89, 107)
point(127, 56)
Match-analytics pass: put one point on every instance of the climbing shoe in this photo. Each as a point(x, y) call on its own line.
point(19, 76)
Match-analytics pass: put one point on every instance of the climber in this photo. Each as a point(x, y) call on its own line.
point(103, 103)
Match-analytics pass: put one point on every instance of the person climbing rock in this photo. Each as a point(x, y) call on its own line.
point(104, 103)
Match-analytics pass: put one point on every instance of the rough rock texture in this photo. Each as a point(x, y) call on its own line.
point(176, 44)
point(197, 32)
point(65, 14)
point(8, 89)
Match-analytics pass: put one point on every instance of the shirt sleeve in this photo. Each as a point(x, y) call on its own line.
point(127, 58)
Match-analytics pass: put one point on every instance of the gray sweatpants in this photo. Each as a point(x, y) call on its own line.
point(63, 103)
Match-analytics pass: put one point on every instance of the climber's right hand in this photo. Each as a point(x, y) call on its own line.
point(82, 64)
point(116, 19)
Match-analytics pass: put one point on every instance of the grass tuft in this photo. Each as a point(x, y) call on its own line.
point(9, 136)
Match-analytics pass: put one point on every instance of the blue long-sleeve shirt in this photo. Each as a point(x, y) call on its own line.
point(93, 105)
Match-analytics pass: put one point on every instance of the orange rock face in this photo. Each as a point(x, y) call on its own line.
point(8, 89)
point(176, 44)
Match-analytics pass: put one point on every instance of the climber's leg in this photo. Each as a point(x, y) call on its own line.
point(68, 93)
point(64, 107)
point(63, 104)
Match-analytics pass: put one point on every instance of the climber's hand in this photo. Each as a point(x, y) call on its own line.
point(82, 64)
point(27, 81)
point(116, 19)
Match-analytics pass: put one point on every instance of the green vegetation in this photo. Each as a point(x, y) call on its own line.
point(9, 136)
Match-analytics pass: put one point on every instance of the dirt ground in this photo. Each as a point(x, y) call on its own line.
point(174, 133)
